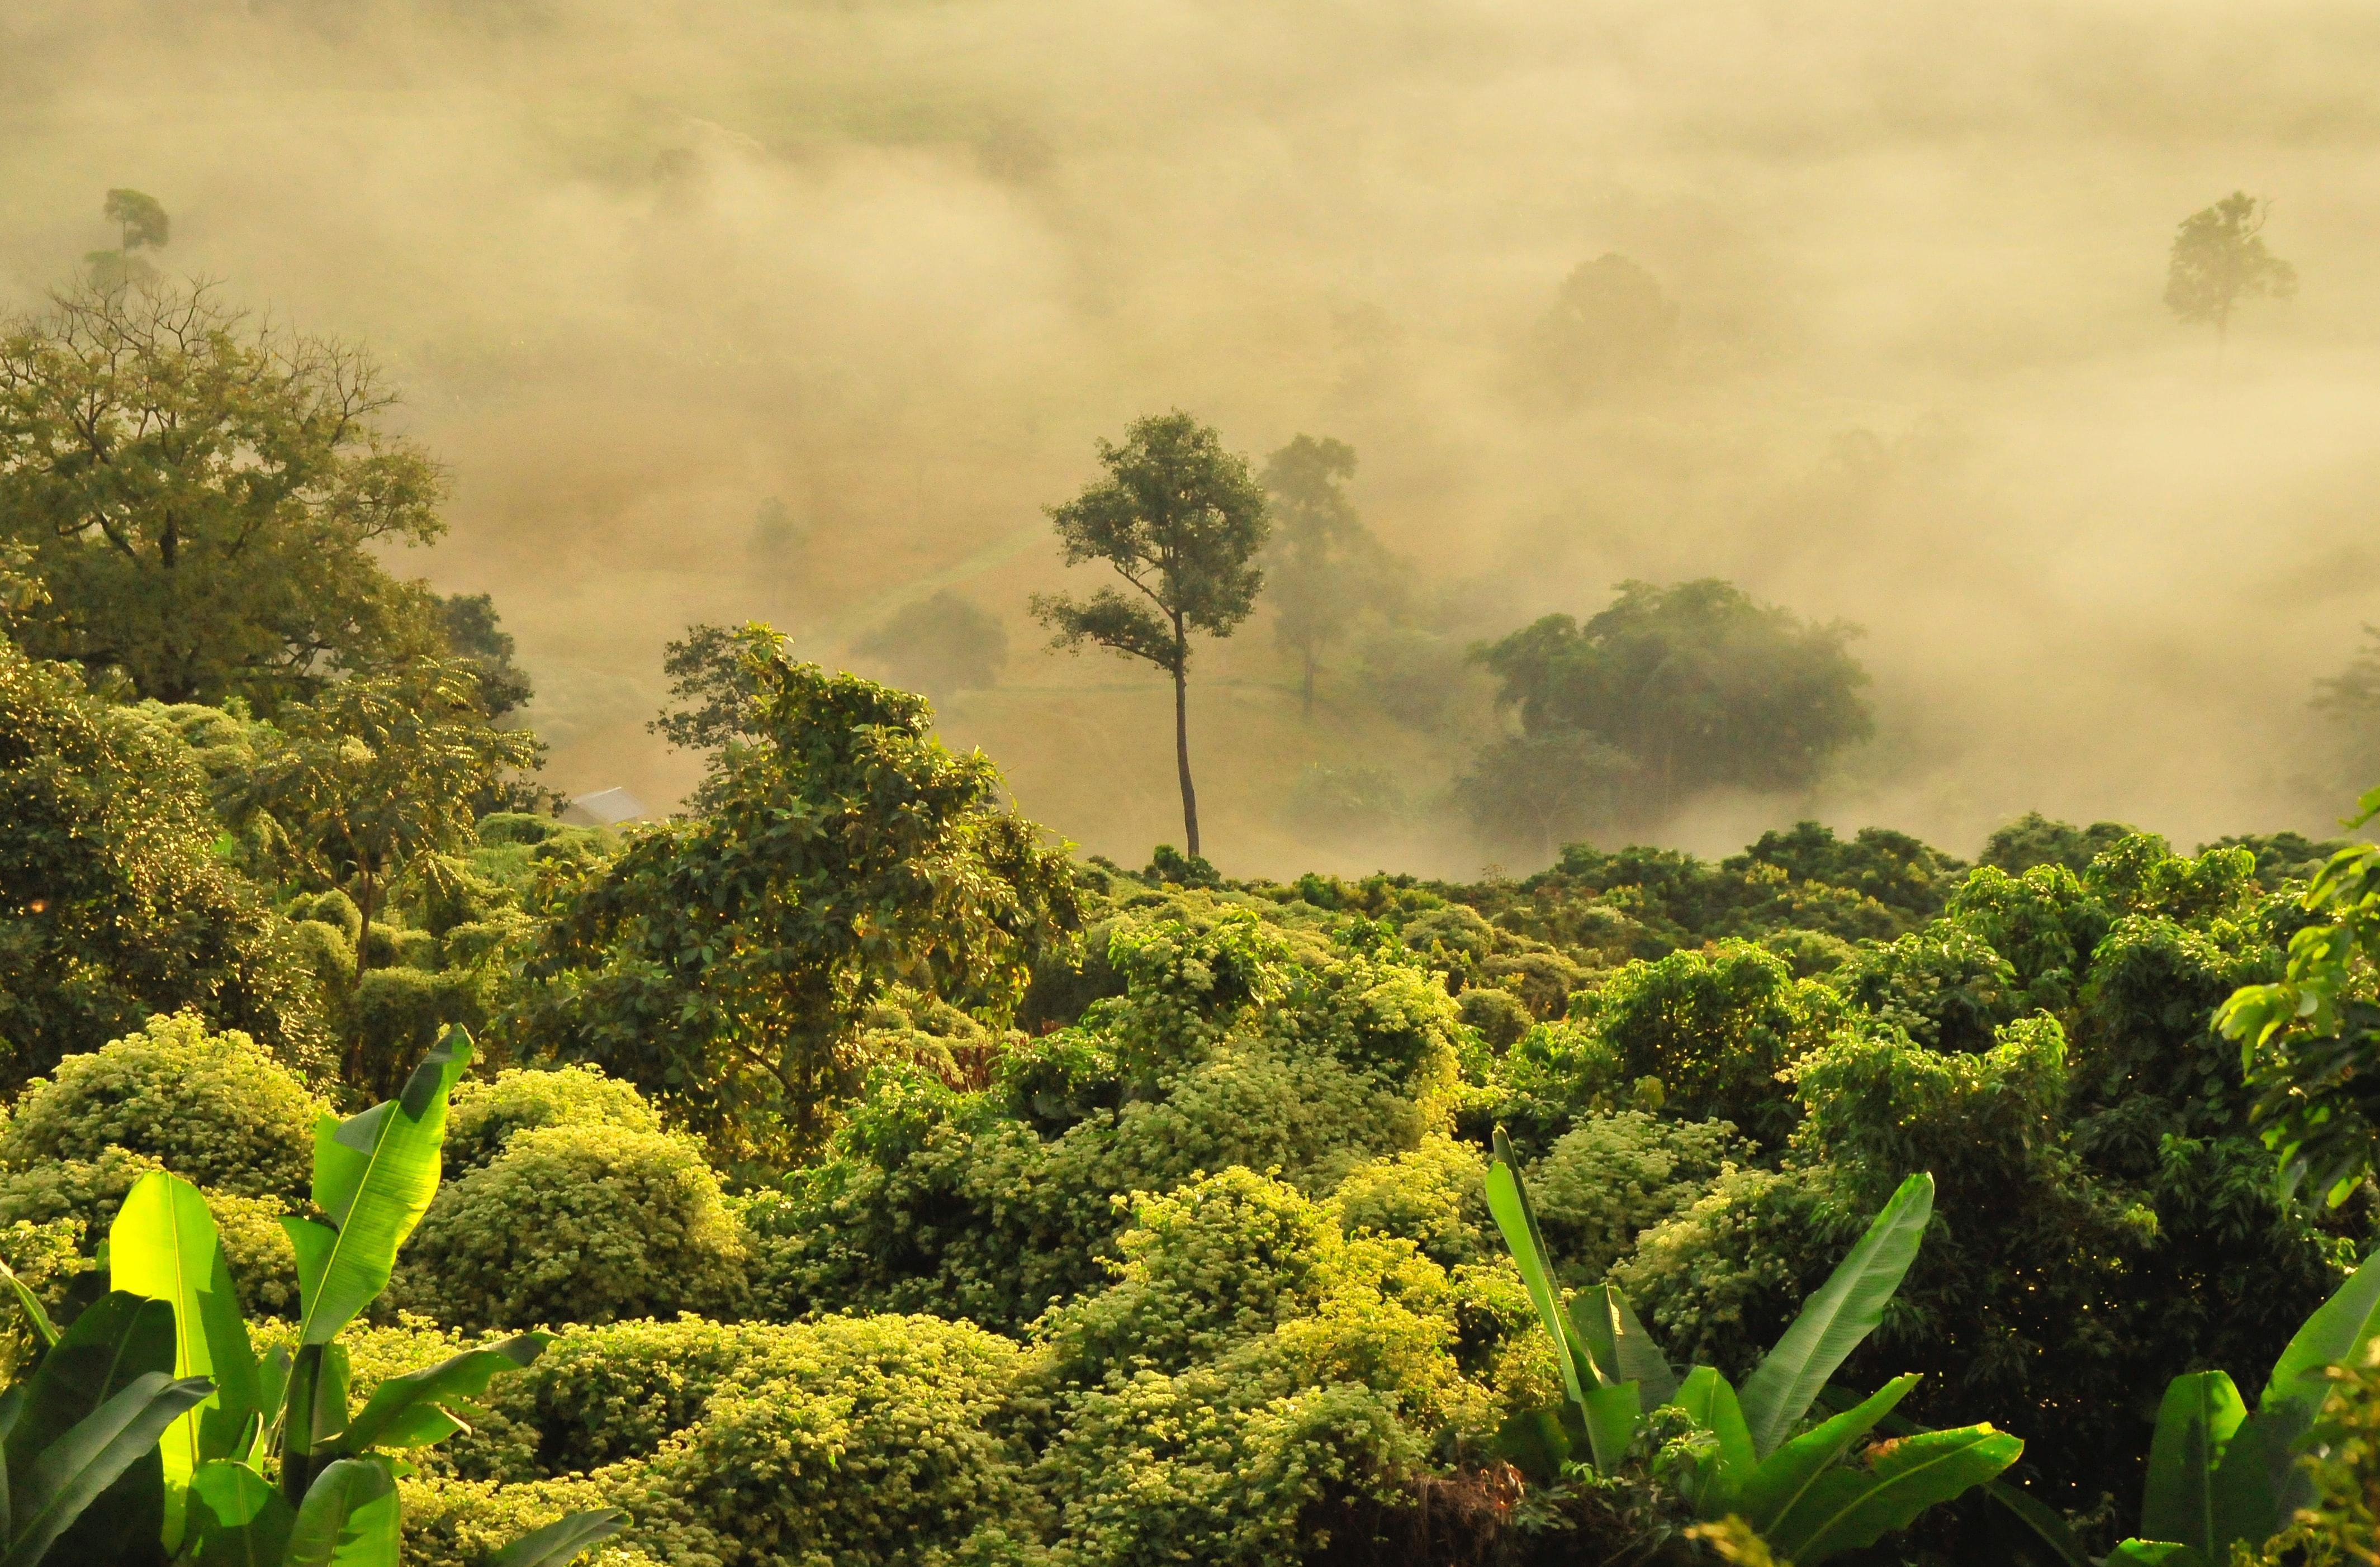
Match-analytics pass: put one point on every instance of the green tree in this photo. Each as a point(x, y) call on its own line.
point(378, 774)
point(1323, 563)
point(940, 644)
point(1543, 789)
point(204, 497)
point(113, 906)
point(713, 688)
point(1181, 520)
point(727, 962)
point(141, 224)
point(474, 638)
point(2220, 259)
point(1698, 685)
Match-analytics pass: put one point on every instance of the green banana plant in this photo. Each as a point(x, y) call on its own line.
point(2220, 1473)
point(1795, 1488)
point(81, 1475)
point(205, 1494)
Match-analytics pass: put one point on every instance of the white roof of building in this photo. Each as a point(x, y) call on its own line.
point(605, 807)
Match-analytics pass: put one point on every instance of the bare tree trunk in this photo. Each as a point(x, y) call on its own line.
point(1182, 753)
point(367, 901)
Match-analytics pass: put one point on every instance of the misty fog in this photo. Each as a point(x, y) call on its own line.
point(804, 311)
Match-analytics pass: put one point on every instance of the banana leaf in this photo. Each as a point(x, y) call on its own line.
point(2154, 1553)
point(163, 1246)
point(409, 1411)
point(1833, 1321)
point(1508, 1203)
point(560, 1543)
point(348, 1519)
point(30, 1305)
point(68, 1474)
point(1709, 1401)
point(374, 1174)
point(1851, 1506)
point(2195, 1424)
point(1771, 1491)
point(236, 1518)
point(1622, 1350)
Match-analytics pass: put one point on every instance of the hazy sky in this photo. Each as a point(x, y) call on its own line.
point(641, 267)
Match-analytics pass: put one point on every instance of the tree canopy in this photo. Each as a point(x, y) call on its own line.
point(1698, 686)
point(1323, 565)
point(1181, 519)
point(726, 961)
point(2219, 260)
point(942, 644)
point(203, 496)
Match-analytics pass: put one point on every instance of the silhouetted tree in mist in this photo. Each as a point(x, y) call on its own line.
point(476, 640)
point(1181, 520)
point(712, 686)
point(940, 645)
point(141, 224)
point(1545, 788)
point(2219, 260)
point(2350, 701)
point(1698, 686)
point(1323, 565)
point(1610, 325)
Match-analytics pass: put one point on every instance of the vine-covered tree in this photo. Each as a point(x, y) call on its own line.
point(2219, 260)
point(377, 772)
point(114, 904)
point(205, 496)
point(1698, 686)
point(1181, 520)
point(1323, 565)
point(726, 961)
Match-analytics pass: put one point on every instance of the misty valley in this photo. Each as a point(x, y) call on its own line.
point(949, 785)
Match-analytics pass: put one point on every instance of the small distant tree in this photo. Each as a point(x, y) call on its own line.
point(712, 687)
point(2350, 702)
point(1323, 565)
point(2219, 260)
point(141, 224)
point(1543, 789)
point(940, 645)
point(1610, 325)
point(727, 961)
point(1181, 520)
point(379, 772)
point(473, 637)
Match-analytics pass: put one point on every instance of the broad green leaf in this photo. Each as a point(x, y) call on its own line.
point(1709, 1401)
point(408, 1411)
point(72, 1472)
point(1771, 1491)
point(1855, 1505)
point(1845, 1310)
point(2044, 1521)
point(30, 1305)
point(1534, 1442)
point(119, 1336)
point(237, 1518)
point(2339, 1326)
point(1508, 1203)
point(560, 1543)
point(2258, 1481)
point(1617, 1342)
point(1612, 1410)
point(313, 1244)
point(2154, 1553)
point(2193, 1425)
point(163, 1246)
point(374, 1174)
point(348, 1519)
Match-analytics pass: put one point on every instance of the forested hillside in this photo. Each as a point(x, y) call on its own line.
point(900, 1190)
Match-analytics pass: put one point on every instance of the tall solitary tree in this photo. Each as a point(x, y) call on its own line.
point(1323, 563)
point(141, 224)
point(2219, 260)
point(1181, 520)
